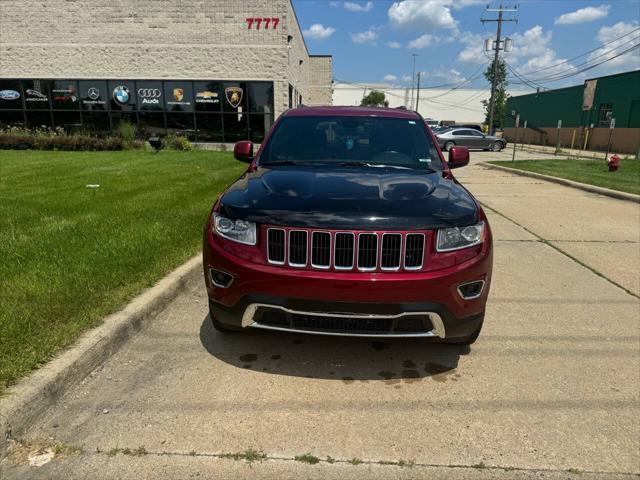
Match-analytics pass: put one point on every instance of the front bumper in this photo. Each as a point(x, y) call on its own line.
point(387, 296)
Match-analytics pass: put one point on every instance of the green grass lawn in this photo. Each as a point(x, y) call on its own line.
point(69, 255)
point(593, 172)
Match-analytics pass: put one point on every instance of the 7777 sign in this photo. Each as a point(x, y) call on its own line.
point(266, 22)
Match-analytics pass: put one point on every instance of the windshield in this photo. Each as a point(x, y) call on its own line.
point(357, 141)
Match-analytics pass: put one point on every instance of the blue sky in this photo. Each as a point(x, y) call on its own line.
point(372, 41)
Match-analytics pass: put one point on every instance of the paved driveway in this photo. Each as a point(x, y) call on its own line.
point(551, 389)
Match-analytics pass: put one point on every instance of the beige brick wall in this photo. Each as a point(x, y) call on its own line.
point(320, 75)
point(131, 39)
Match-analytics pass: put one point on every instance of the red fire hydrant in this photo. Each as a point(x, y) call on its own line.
point(613, 162)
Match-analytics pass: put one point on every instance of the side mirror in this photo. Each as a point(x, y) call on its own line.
point(458, 157)
point(243, 151)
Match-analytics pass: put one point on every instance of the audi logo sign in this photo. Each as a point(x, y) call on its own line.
point(149, 96)
point(149, 92)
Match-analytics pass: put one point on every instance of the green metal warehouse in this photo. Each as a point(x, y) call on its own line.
point(586, 111)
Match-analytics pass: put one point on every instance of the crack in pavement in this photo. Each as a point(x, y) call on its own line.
point(558, 249)
point(255, 456)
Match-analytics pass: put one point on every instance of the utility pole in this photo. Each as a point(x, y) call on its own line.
point(497, 47)
point(413, 77)
point(418, 94)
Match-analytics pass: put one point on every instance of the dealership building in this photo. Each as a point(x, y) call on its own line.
point(217, 70)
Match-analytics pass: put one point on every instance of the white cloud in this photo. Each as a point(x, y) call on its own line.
point(393, 44)
point(317, 31)
point(531, 43)
point(609, 33)
point(450, 75)
point(422, 41)
point(473, 52)
point(358, 7)
point(583, 15)
point(406, 78)
point(413, 14)
point(368, 36)
point(389, 77)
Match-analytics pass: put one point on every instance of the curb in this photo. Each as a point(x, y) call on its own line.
point(630, 197)
point(33, 395)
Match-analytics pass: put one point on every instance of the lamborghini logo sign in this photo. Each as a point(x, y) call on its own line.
point(234, 96)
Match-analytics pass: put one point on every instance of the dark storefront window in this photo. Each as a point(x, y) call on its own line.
point(38, 119)
point(151, 123)
point(206, 111)
point(235, 126)
point(11, 118)
point(209, 127)
point(69, 121)
point(180, 122)
point(95, 122)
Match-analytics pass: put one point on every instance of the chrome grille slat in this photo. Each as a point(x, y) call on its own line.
point(345, 251)
point(413, 251)
point(367, 251)
point(275, 246)
point(320, 249)
point(298, 248)
point(391, 255)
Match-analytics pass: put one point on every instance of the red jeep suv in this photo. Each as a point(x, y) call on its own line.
point(348, 221)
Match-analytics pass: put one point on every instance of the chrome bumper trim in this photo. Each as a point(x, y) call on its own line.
point(436, 321)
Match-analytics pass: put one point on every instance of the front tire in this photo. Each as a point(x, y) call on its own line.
point(496, 146)
point(448, 146)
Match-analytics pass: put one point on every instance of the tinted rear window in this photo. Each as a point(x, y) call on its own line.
point(373, 140)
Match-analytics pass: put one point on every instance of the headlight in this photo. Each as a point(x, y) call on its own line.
point(459, 237)
point(239, 231)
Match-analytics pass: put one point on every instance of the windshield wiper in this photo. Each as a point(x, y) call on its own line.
point(279, 162)
point(383, 165)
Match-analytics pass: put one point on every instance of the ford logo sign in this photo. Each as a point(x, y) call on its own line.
point(9, 95)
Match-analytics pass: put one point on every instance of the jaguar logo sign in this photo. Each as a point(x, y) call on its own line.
point(234, 96)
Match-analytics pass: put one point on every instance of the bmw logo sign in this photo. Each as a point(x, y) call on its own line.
point(121, 94)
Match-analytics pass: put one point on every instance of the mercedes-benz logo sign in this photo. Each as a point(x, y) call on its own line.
point(93, 93)
point(149, 92)
point(121, 94)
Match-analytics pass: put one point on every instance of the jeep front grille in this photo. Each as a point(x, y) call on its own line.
point(345, 251)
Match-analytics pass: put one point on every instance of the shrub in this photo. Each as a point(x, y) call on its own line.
point(46, 140)
point(127, 131)
point(177, 142)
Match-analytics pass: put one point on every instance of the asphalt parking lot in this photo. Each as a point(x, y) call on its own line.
point(551, 388)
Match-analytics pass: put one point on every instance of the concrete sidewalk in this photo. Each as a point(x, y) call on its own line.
point(551, 388)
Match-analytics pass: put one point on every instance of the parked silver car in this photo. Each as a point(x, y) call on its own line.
point(466, 137)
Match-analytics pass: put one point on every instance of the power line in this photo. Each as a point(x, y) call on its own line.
point(568, 74)
point(587, 52)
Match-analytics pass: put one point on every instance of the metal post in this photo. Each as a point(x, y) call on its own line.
point(558, 139)
point(418, 95)
point(611, 127)
point(524, 132)
point(413, 78)
point(515, 140)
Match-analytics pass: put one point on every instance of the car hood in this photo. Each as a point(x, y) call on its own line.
point(349, 198)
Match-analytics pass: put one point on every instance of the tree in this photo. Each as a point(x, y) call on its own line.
point(500, 104)
point(374, 99)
